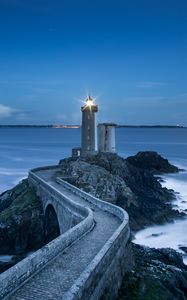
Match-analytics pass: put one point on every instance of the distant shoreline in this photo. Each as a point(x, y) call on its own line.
point(79, 126)
point(41, 126)
point(151, 126)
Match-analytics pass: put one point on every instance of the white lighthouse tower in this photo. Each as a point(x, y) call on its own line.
point(88, 146)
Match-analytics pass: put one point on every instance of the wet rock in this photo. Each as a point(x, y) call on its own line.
point(152, 161)
point(157, 234)
point(22, 222)
point(9, 196)
point(183, 248)
point(156, 274)
point(4, 265)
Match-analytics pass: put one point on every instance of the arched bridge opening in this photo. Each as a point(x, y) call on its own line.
point(52, 229)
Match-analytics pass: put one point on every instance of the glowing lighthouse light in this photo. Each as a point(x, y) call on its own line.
point(89, 101)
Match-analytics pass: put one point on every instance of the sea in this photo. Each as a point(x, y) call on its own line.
point(24, 148)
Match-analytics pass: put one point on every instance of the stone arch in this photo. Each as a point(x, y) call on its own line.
point(52, 229)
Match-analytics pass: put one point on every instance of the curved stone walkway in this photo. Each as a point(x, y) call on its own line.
point(57, 277)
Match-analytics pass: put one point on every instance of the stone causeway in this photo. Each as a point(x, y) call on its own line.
point(86, 261)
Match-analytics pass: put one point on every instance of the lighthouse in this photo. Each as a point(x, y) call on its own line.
point(88, 145)
point(105, 133)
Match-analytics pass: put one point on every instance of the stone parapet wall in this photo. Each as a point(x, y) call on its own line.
point(103, 205)
point(19, 273)
point(103, 276)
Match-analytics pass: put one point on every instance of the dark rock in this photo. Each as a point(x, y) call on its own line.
point(149, 203)
point(22, 222)
point(160, 179)
point(4, 265)
point(9, 196)
point(183, 248)
point(152, 161)
point(156, 274)
point(96, 180)
point(157, 234)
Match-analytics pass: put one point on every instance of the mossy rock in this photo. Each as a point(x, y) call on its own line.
point(22, 223)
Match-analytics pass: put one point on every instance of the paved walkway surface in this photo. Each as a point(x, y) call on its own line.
point(56, 278)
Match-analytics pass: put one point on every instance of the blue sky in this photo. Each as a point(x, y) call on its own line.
point(129, 54)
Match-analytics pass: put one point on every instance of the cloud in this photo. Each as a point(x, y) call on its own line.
point(150, 84)
point(6, 111)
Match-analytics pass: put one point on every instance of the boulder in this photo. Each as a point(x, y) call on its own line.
point(157, 274)
point(96, 180)
point(22, 222)
point(152, 161)
point(9, 196)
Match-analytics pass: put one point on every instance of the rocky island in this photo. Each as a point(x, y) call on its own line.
point(129, 183)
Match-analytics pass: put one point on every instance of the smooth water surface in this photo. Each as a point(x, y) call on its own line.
point(24, 148)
